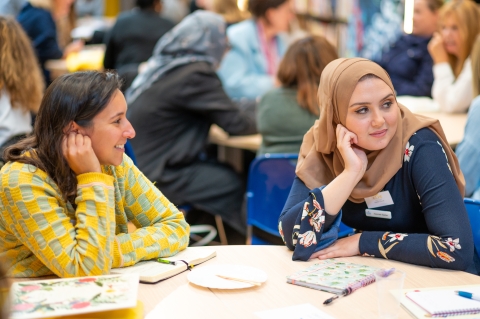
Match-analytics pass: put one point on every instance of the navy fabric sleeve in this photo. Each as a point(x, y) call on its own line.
point(304, 225)
point(449, 242)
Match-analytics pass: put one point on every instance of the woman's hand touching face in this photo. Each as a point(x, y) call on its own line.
point(355, 158)
point(78, 151)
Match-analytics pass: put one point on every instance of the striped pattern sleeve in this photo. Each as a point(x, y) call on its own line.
point(37, 217)
point(161, 228)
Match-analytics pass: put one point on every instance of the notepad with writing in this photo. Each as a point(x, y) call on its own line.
point(152, 271)
point(333, 276)
point(440, 302)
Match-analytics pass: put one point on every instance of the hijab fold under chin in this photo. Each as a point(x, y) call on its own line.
point(319, 160)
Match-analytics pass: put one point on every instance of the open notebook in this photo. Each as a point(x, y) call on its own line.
point(152, 271)
point(441, 302)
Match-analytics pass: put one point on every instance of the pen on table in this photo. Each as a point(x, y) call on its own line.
point(359, 284)
point(164, 261)
point(468, 295)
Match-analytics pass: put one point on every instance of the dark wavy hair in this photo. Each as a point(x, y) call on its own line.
point(77, 97)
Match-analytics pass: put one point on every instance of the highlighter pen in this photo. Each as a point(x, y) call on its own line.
point(468, 295)
point(164, 261)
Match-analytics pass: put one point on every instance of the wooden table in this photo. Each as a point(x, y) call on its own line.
point(179, 299)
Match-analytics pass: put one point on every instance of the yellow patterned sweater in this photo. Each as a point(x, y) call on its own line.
point(42, 234)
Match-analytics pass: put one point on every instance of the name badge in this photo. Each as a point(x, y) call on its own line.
point(379, 200)
point(378, 213)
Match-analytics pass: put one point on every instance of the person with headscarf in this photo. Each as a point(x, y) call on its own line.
point(172, 105)
point(382, 170)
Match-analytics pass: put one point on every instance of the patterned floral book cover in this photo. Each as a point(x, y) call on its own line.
point(333, 276)
point(65, 297)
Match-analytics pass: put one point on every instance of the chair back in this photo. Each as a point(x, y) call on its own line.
point(270, 179)
point(129, 152)
point(269, 182)
point(473, 210)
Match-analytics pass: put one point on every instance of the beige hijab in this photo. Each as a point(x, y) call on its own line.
point(319, 161)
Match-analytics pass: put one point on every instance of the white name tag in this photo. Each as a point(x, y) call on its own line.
point(378, 213)
point(379, 200)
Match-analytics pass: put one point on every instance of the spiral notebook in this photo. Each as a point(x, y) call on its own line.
point(333, 276)
point(442, 302)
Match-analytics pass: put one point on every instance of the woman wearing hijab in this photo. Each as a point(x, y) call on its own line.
point(383, 170)
point(172, 105)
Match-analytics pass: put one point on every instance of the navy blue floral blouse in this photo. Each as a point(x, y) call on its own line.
point(428, 222)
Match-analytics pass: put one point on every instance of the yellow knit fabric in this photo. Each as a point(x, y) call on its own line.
point(41, 234)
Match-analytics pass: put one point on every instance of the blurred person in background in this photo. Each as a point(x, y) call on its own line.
point(257, 46)
point(450, 50)
point(286, 113)
point(38, 19)
point(21, 83)
point(407, 61)
point(133, 37)
point(468, 151)
point(172, 105)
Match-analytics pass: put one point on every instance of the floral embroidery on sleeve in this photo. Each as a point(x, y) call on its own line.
point(280, 230)
point(408, 152)
point(448, 164)
point(316, 218)
point(393, 237)
point(435, 241)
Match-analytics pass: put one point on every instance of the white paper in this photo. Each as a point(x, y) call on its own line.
point(303, 311)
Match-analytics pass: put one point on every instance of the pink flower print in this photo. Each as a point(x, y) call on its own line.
point(88, 279)
point(30, 288)
point(23, 307)
point(317, 220)
point(280, 230)
point(80, 305)
point(452, 244)
point(396, 236)
point(307, 239)
point(408, 152)
point(317, 205)
point(305, 210)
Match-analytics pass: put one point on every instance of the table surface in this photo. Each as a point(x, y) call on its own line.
point(177, 298)
point(453, 125)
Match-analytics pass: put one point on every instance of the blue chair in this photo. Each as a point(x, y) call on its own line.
point(473, 210)
point(129, 152)
point(270, 179)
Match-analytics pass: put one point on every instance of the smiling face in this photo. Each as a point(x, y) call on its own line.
point(452, 37)
point(110, 130)
point(372, 114)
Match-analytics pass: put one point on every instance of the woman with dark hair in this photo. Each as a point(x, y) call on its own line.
point(382, 170)
point(133, 37)
point(295, 102)
point(257, 45)
point(68, 191)
point(172, 105)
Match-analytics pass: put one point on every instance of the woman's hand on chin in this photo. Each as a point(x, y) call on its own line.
point(344, 247)
point(78, 152)
point(355, 159)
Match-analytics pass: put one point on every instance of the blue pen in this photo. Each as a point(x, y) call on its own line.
point(468, 295)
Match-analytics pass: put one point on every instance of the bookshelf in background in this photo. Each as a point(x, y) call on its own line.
point(326, 17)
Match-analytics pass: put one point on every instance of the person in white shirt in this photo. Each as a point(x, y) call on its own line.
point(21, 82)
point(450, 50)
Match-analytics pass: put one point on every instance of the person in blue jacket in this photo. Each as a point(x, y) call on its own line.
point(382, 170)
point(468, 151)
point(257, 46)
point(407, 61)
